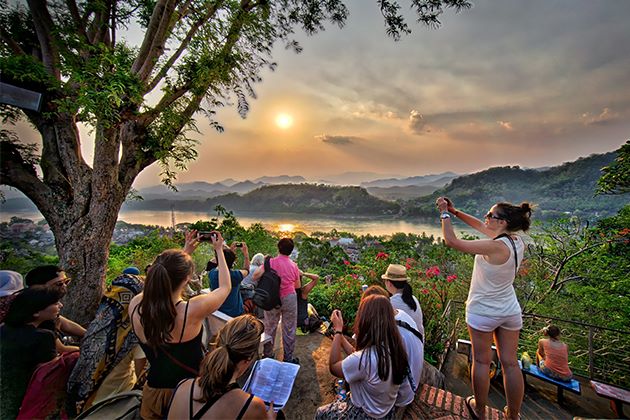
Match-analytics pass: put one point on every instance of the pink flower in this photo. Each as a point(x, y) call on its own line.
point(355, 276)
point(451, 278)
point(433, 271)
point(346, 262)
point(425, 291)
point(382, 256)
point(408, 266)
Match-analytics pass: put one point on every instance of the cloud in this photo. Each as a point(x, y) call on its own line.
point(417, 123)
point(338, 140)
point(605, 117)
point(506, 125)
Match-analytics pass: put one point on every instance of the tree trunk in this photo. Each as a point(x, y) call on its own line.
point(83, 247)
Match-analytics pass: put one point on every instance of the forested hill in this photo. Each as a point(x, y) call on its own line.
point(293, 198)
point(568, 189)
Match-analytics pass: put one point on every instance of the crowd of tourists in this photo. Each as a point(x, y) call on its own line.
point(148, 333)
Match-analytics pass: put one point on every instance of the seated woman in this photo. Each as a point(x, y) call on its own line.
point(412, 338)
point(111, 358)
point(170, 329)
point(377, 371)
point(552, 355)
point(23, 345)
point(215, 393)
point(397, 283)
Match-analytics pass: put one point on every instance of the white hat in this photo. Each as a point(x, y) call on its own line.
point(10, 282)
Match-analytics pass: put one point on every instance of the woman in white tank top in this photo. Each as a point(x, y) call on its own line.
point(492, 310)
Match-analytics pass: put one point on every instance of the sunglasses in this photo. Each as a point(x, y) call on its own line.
point(492, 216)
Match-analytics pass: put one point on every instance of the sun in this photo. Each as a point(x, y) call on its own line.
point(284, 121)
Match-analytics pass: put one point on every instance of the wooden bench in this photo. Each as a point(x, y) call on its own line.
point(616, 395)
point(572, 386)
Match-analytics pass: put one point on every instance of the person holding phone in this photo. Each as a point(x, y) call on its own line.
point(170, 329)
point(375, 369)
point(492, 310)
point(233, 305)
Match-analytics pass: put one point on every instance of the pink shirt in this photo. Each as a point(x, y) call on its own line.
point(288, 272)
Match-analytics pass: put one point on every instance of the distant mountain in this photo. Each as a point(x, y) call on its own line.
point(568, 189)
point(354, 178)
point(229, 182)
point(292, 198)
point(437, 179)
point(282, 179)
point(403, 193)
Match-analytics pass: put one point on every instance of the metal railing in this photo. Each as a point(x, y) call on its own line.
point(595, 352)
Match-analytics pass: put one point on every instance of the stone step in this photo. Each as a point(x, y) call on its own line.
point(434, 403)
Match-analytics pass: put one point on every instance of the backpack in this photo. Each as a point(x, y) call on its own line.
point(123, 406)
point(267, 293)
point(46, 392)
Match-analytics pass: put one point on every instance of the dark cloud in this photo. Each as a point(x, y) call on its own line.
point(339, 140)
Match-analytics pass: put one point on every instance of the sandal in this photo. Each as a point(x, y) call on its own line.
point(505, 413)
point(473, 415)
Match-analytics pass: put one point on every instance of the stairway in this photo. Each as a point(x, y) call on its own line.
point(434, 403)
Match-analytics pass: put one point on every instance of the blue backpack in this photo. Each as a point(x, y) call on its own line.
point(267, 293)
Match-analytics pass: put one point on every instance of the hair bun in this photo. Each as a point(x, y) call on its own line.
point(526, 207)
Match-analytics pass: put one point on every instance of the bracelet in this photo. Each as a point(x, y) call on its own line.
point(338, 332)
point(456, 213)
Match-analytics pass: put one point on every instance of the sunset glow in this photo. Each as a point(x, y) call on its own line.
point(284, 121)
point(286, 228)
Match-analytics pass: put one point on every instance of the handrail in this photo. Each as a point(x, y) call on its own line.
point(596, 352)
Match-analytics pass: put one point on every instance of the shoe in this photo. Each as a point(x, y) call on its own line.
point(295, 361)
point(473, 415)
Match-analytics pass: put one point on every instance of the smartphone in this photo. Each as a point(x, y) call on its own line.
point(239, 244)
point(206, 236)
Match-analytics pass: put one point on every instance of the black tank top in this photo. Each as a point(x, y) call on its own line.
point(164, 372)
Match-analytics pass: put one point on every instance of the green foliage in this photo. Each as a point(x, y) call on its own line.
point(616, 176)
point(564, 190)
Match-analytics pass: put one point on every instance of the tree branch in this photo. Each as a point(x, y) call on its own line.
point(154, 39)
point(183, 45)
point(18, 172)
point(79, 23)
point(43, 27)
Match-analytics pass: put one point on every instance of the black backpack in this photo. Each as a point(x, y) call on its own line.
point(267, 293)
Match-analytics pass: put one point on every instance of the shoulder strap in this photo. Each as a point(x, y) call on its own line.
point(245, 407)
point(267, 264)
point(190, 405)
point(184, 326)
point(410, 328)
point(211, 402)
point(505, 235)
point(132, 315)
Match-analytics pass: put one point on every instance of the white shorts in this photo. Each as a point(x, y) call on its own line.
point(489, 324)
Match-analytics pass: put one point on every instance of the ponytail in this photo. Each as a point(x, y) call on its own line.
point(238, 340)
point(157, 312)
point(407, 293)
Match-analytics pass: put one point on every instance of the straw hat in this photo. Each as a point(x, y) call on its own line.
point(395, 272)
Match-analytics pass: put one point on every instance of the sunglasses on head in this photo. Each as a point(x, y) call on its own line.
point(492, 216)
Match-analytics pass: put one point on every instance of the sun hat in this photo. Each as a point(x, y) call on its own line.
point(10, 282)
point(395, 272)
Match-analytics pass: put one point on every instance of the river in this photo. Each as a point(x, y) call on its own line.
point(289, 222)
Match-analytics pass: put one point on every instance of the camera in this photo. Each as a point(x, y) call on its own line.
point(239, 244)
point(206, 236)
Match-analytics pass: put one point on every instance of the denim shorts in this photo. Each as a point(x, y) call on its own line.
point(489, 324)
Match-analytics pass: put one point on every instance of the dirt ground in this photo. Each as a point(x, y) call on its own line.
point(314, 385)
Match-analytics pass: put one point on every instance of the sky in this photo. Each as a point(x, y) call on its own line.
point(509, 82)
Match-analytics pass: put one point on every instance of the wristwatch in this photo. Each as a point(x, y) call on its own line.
point(445, 215)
